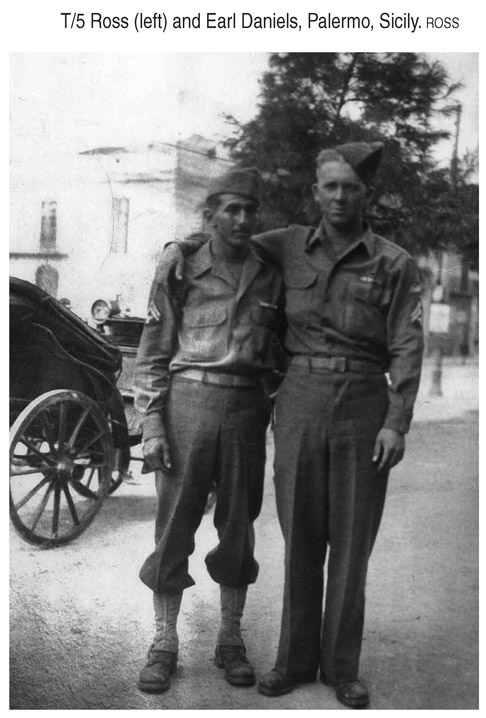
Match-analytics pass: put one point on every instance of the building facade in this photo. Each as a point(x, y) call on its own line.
point(454, 323)
point(94, 225)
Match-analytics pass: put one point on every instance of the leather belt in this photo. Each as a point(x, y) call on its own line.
point(218, 378)
point(339, 364)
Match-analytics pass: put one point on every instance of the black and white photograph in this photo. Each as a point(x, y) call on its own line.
point(244, 380)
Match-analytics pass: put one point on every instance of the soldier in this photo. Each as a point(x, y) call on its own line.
point(198, 385)
point(353, 313)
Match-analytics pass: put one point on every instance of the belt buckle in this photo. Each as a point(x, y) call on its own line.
point(338, 364)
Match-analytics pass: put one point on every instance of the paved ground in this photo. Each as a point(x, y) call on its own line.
point(81, 620)
point(460, 390)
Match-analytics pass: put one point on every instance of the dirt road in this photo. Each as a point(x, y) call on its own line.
point(81, 620)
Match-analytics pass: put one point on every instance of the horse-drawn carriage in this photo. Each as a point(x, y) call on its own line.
point(69, 438)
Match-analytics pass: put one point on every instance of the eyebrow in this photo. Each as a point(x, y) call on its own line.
point(244, 204)
point(352, 183)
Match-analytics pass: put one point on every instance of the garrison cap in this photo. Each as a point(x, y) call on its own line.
point(363, 157)
point(244, 181)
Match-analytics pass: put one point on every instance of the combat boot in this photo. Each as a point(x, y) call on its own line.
point(155, 675)
point(230, 651)
point(162, 656)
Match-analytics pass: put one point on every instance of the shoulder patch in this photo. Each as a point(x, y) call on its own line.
point(416, 315)
point(153, 314)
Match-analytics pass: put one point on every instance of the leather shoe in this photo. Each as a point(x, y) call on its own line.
point(155, 675)
point(274, 683)
point(353, 694)
point(237, 668)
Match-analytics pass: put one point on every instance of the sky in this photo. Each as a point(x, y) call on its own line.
point(78, 101)
point(464, 68)
point(69, 102)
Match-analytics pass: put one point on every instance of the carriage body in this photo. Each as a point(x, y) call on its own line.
point(69, 440)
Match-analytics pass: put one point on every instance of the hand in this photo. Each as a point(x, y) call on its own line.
point(156, 452)
point(389, 449)
point(172, 262)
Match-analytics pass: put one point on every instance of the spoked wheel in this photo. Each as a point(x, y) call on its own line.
point(61, 462)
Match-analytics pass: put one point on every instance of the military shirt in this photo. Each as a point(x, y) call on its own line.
point(364, 305)
point(214, 321)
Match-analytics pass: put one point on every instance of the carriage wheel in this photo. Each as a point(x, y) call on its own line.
point(61, 461)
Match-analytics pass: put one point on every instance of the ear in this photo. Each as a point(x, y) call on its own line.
point(208, 215)
point(315, 191)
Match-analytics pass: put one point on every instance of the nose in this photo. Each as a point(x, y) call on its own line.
point(339, 193)
point(243, 217)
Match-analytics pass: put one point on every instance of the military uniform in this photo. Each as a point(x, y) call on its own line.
point(351, 319)
point(199, 386)
point(199, 372)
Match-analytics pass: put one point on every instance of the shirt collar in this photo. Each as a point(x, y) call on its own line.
point(202, 260)
point(367, 238)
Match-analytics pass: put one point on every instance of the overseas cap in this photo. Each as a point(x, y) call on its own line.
point(244, 181)
point(363, 157)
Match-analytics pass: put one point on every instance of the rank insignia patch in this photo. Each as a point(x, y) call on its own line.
point(416, 315)
point(153, 314)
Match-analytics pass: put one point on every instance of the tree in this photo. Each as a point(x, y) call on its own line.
point(310, 101)
point(446, 214)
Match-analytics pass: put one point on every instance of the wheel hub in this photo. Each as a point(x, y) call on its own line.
point(67, 470)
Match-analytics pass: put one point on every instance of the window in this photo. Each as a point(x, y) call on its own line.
point(120, 208)
point(48, 231)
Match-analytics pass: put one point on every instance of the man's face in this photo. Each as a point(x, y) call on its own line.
point(234, 220)
point(340, 194)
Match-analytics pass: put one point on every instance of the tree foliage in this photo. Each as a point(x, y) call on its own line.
point(310, 101)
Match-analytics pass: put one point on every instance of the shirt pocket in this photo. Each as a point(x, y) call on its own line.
point(203, 335)
point(365, 315)
point(300, 290)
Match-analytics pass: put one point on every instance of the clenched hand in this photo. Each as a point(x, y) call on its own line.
point(156, 452)
point(389, 449)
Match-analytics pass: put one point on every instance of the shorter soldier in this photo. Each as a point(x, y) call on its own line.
point(198, 383)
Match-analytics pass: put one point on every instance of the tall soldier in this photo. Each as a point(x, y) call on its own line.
point(353, 315)
point(198, 385)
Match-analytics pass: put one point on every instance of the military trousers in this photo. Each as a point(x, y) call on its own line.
point(330, 501)
point(217, 439)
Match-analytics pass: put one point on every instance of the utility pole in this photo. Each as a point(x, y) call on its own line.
point(455, 152)
point(440, 310)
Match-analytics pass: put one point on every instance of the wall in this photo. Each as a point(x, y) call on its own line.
point(461, 293)
point(164, 186)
